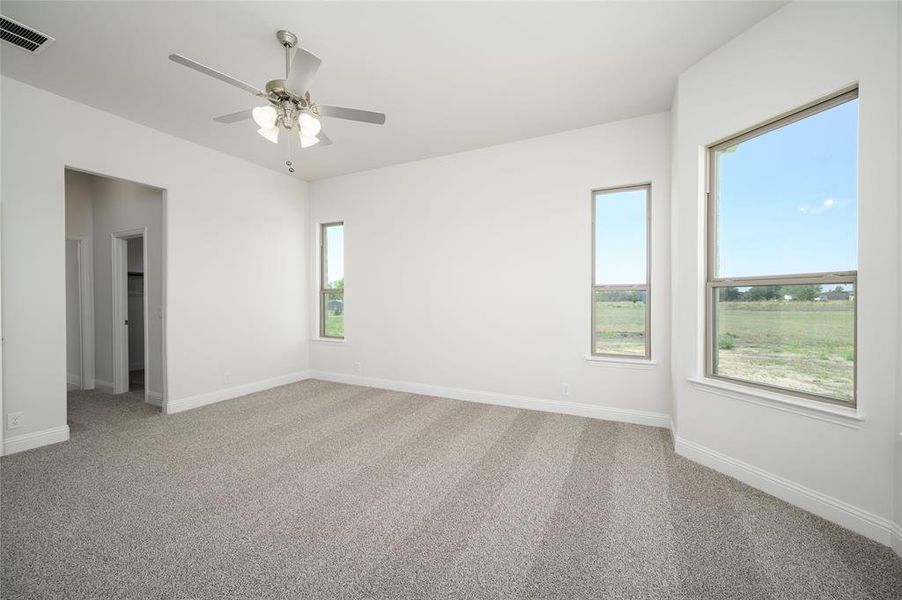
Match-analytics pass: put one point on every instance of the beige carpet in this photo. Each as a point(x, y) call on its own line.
point(321, 490)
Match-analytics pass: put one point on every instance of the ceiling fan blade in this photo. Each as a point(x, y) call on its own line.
point(324, 140)
point(234, 117)
point(352, 114)
point(214, 73)
point(304, 66)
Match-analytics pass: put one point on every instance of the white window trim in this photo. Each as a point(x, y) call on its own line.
point(814, 409)
point(713, 281)
point(598, 360)
point(646, 287)
point(320, 291)
point(327, 340)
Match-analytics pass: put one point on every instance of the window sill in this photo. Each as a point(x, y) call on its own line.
point(839, 415)
point(325, 340)
point(627, 363)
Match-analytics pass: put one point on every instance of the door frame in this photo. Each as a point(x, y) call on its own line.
point(85, 261)
point(119, 281)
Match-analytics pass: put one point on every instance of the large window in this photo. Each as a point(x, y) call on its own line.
point(620, 317)
point(332, 280)
point(782, 253)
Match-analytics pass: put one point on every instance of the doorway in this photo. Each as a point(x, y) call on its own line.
point(122, 284)
point(130, 322)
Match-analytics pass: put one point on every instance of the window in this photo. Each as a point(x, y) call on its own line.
point(782, 253)
point(332, 281)
point(620, 316)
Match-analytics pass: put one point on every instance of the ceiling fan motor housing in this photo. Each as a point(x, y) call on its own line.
point(286, 38)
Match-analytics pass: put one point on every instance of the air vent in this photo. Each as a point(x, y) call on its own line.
point(24, 37)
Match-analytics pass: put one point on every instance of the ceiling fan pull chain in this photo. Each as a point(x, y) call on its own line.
point(289, 162)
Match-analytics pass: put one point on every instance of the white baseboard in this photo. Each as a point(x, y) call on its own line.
point(842, 513)
point(183, 404)
point(103, 386)
point(897, 539)
point(606, 413)
point(155, 398)
point(73, 379)
point(36, 439)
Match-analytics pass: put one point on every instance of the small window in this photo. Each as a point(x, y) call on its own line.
point(332, 280)
point(782, 253)
point(620, 274)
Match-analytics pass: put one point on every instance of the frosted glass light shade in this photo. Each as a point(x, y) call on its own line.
point(265, 116)
point(308, 140)
point(309, 125)
point(270, 133)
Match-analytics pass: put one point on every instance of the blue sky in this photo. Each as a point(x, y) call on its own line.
point(788, 200)
point(620, 228)
point(335, 253)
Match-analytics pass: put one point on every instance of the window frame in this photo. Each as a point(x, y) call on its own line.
point(323, 290)
point(713, 282)
point(638, 287)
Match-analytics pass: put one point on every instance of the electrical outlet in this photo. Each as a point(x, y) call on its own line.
point(358, 368)
point(565, 389)
point(227, 377)
point(15, 420)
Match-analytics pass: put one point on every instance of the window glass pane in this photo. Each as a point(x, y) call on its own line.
point(787, 200)
point(620, 237)
point(334, 257)
point(334, 314)
point(798, 337)
point(620, 322)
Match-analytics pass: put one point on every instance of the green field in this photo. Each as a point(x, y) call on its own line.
point(620, 328)
point(805, 346)
point(335, 325)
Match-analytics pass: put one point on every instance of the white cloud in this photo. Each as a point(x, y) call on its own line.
point(816, 209)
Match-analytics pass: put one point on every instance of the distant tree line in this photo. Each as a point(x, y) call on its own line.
point(779, 292)
point(622, 296)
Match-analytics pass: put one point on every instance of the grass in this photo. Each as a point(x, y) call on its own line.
point(804, 346)
point(335, 325)
point(620, 328)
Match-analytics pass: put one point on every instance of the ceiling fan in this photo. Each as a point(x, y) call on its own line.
point(289, 104)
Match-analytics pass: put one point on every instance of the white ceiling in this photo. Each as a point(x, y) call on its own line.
point(449, 76)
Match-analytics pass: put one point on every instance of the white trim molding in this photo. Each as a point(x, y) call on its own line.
point(606, 413)
point(822, 411)
point(154, 399)
point(36, 439)
point(832, 509)
point(897, 539)
point(182, 404)
point(626, 363)
point(104, 386)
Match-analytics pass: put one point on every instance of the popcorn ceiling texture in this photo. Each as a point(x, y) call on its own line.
point(324, 490)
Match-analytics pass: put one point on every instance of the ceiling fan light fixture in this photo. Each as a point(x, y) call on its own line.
point(270, 133)
point(265, 116)
point(307, 141)
point(308, 124)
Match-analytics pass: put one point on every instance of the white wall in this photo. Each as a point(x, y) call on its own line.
point(236, 255)
point(800, 53)
point(897, 542)
point(473, 270)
